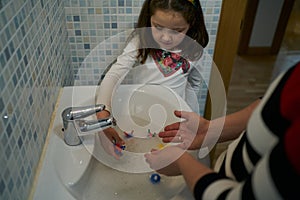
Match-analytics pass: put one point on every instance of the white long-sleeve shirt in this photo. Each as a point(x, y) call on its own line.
point(187, 85)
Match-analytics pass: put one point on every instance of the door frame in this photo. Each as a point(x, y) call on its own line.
point(227, 41)
point(248, 22)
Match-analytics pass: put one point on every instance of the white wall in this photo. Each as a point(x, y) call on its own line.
point(265, 23)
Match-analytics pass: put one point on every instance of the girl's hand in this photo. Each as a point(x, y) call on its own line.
point(111, 142)
point(165, 161)
point(110, 139)
point(189, 133)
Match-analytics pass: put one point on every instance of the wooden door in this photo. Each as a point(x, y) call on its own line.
point(231, 17)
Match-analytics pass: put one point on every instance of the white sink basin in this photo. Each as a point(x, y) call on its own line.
point(87, 172)
point(63, 165)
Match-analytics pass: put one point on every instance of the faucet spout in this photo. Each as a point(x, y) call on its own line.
point(100, 124)
point(74, 124)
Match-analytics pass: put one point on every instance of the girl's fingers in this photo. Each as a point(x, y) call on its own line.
point(113, 136)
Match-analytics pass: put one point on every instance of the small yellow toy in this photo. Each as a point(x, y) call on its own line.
point(160, 146)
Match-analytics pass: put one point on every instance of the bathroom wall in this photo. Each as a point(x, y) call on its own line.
point(265, 24)
point(34, 64)
point(43, 44)
point(92, 23)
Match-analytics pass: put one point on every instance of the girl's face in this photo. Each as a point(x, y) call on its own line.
point(168, 28)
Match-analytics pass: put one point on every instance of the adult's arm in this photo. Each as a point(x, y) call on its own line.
point(194, 128)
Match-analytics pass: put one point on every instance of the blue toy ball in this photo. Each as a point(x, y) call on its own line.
point(155, 178)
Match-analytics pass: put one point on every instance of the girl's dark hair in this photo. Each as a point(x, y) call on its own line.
point(192, 13)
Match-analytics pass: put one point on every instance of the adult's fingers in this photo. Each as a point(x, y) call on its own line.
point(174, 126)
point(182, 114)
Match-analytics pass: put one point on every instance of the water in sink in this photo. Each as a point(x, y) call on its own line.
point(127, 178)
point(103, 182)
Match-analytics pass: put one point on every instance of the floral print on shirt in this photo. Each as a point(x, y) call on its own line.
point(169, 62)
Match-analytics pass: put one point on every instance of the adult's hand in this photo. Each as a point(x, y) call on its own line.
point(189, 133)
point(164, 161)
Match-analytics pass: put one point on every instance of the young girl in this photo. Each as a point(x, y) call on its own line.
point(167, 44)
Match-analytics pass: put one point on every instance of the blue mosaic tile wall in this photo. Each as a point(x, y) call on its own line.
point(92, 23)
point(34, 65)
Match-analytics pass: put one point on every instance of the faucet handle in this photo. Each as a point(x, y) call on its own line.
point(99, 124)
point(72, 113)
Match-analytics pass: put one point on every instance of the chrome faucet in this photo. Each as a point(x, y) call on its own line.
point(73, 122)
